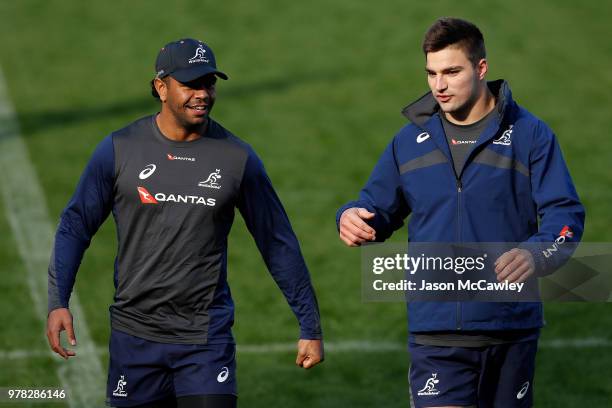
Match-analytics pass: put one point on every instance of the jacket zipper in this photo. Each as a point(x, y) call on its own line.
point(459, 187)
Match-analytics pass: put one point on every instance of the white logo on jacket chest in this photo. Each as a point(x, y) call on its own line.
point(504, 139)
point(422, 137)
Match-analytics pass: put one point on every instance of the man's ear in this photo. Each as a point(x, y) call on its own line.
point(481, 68)
point(161, 86)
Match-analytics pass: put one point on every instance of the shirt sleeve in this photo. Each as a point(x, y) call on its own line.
point(559, 209)
point(86, 211)
point(383, 196)
point(269, 225)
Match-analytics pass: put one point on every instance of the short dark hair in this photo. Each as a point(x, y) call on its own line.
point(449, 31)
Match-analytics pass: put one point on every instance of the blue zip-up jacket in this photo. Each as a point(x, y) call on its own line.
point(514, 187)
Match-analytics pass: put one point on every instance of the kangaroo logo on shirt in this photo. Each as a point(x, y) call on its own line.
point(211, 181)
point(504, 139)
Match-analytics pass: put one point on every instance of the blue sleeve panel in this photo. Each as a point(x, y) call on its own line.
point(383, 196)
point(86, 211)
point(557, 204)
point(267, 221)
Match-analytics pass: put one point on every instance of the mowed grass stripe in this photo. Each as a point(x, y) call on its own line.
point(26, 212)
point(347, 346)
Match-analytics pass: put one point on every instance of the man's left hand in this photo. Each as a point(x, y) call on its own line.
point(310, 353)
point(516, 265)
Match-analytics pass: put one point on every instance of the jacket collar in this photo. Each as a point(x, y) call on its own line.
point(420, 111)
point(425, 113)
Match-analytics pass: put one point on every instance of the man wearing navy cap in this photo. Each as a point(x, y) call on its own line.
point(172, 181)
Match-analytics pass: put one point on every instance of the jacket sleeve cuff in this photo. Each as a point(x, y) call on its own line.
point(55, 305)
point(310, 335)
point(540, 266)
point(341, 211)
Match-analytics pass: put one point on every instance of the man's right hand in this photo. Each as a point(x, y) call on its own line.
point(59, 320)
point(353, 230)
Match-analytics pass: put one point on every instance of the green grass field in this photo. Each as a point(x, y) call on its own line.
point(316, 88)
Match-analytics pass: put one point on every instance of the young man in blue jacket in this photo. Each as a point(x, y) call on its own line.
point(473, 166)
point(172, 181)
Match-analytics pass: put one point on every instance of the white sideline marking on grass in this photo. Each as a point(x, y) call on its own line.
point(386, 347)
point(348, 346)
point(26, 212)
point(363, 346)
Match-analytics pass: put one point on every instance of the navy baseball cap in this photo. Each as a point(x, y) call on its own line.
point(186, 60)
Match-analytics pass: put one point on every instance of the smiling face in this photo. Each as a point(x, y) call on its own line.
point(456, 83)
point(188, 104)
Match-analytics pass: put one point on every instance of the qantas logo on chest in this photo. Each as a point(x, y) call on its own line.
point(145, 196)
point(460, 142)
point(183, 158)
point(149, 198)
